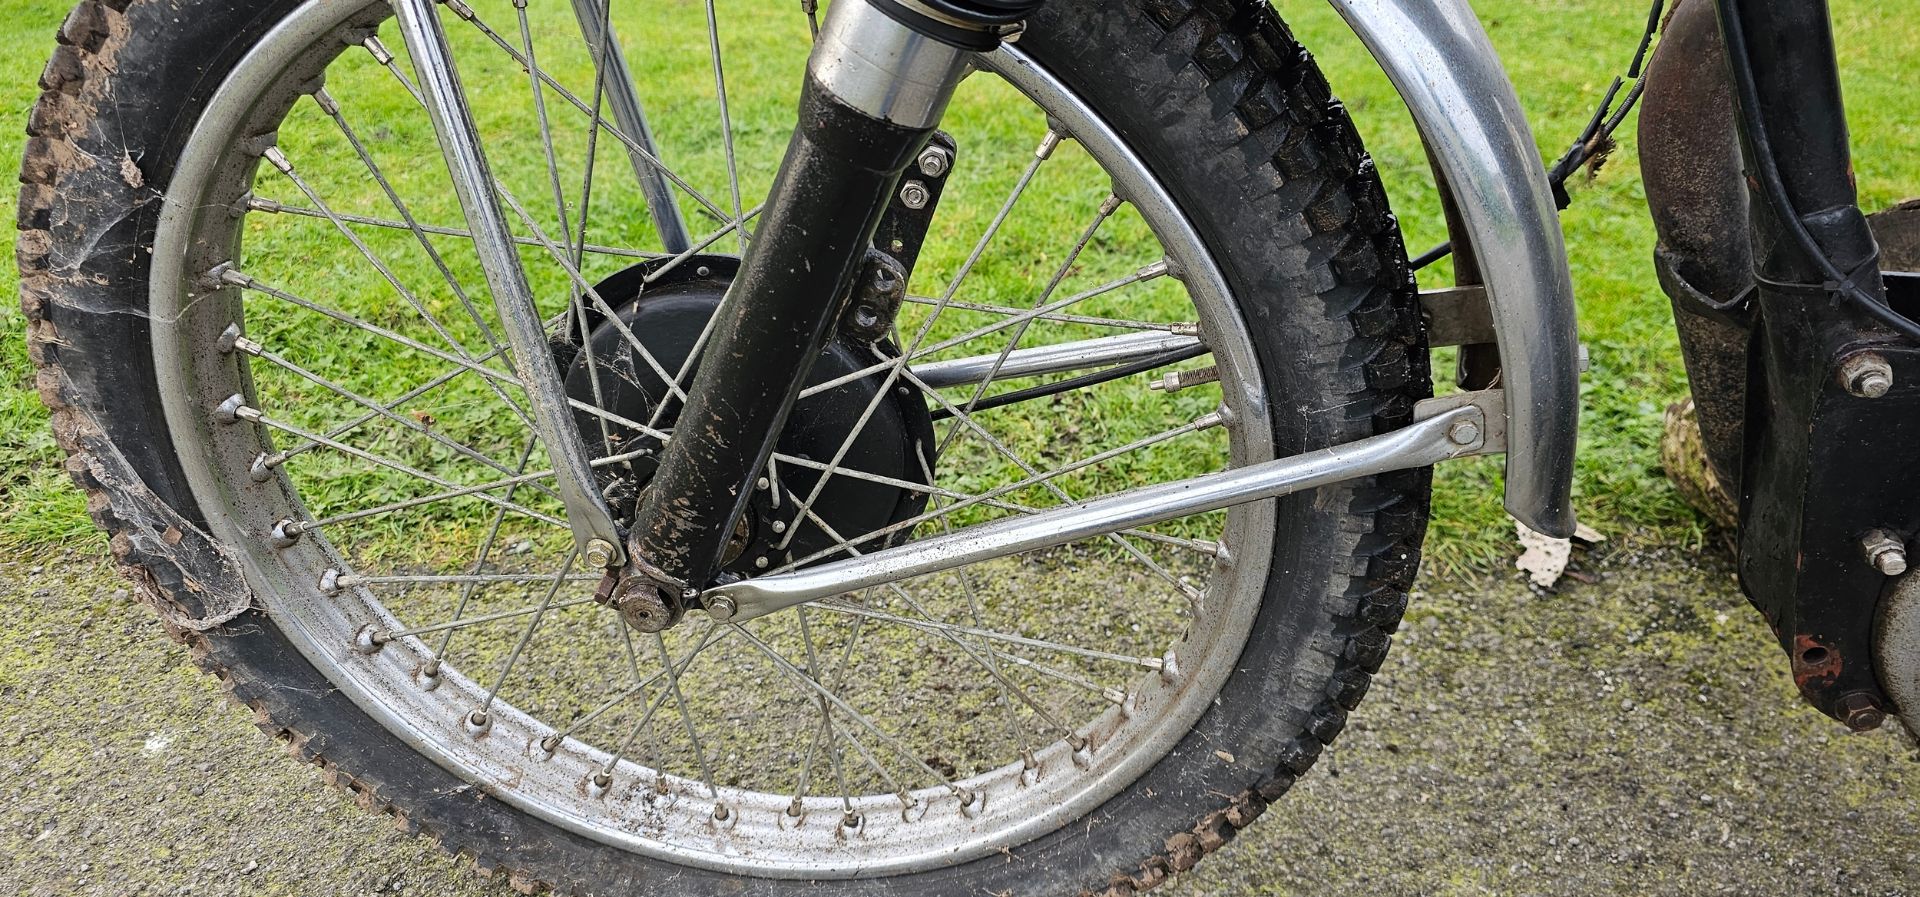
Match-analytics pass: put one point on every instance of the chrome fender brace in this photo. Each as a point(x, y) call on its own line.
point(1439, 59)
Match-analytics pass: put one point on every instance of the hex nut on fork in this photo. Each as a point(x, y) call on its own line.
point(1866, 375)
point(1885, 551)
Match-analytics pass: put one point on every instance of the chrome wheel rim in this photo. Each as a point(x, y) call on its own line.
point(677, 809)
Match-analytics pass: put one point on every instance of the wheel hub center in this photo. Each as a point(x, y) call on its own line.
point(880, 446)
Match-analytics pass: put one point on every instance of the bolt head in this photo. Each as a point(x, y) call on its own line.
point(935, 161)
point(1886, 552)
point(914, 195)
point(1867, 375)
point(1861, 712)
point(722, 608)
point(1464, 433)
point(600, 553)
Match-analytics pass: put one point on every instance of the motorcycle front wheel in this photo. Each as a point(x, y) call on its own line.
point(269, 352)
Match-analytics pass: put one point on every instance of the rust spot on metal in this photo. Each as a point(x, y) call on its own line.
point(1816, 665)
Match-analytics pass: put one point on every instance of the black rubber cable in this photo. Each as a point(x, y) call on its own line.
point(1774, 189)
point(1595, 136)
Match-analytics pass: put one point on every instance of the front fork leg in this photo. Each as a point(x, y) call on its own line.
point(876, 87)
point(595, 535)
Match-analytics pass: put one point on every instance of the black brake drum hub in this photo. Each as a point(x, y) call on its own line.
point(668, 317)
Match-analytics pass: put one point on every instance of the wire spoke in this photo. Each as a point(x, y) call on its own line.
point(686, 715)
point(364, 455)
point(893, 371)
point(533, 626)
point(841, 607)
point(271, 206)
point(408, 423)
point(488, 618)
point(856, 716)
point(710, 636)
point(286, 168)
point(1147, 273)
point(597, 121)
point(726, 118)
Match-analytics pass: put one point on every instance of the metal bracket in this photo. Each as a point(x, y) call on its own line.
point(1453, 427)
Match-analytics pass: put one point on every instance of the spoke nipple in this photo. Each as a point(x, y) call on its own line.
point(1866, 375)
point(550, 745)
point(1082, 752)
point(285, 532)
point(225, 273)
point(277, 159)
point(779, 526)
point(721, 608)
point(968, 798)
point(1111, 204)
point(935, 161)
point(370, 639)
point(599, 554)
point(915, 195)
point(330, 582)
point(1886, 552)
point(793, 807)
point(1169, 669)
point(599, 783)
point(228, 339)
point(1048, 144)
point(262, 204)
point(1148, 272)
point(232, 410)
point(262, 468)
point(325, 101)
point(851, 821)
point(428, 675)
point(1184, 328)
point(721, 813)
point(1465, 434)
point(478, 723)
point(379, 50)
point(1174, 381)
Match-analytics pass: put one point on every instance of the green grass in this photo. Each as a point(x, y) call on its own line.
point(1561, 55)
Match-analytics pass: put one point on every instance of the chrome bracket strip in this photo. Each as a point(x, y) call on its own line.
point(1468, 425)
point(459, 137)
point(1439, 59)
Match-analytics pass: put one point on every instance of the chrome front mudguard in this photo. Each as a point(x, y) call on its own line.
point(1439, 59)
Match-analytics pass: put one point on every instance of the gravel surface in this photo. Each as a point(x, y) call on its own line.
point(1631, 734)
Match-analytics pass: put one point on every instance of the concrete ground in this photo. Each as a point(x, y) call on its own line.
point(1634, 734)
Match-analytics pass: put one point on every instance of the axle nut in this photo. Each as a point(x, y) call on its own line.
point(721, 608)
point(599, 554)
point(1866, 375)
